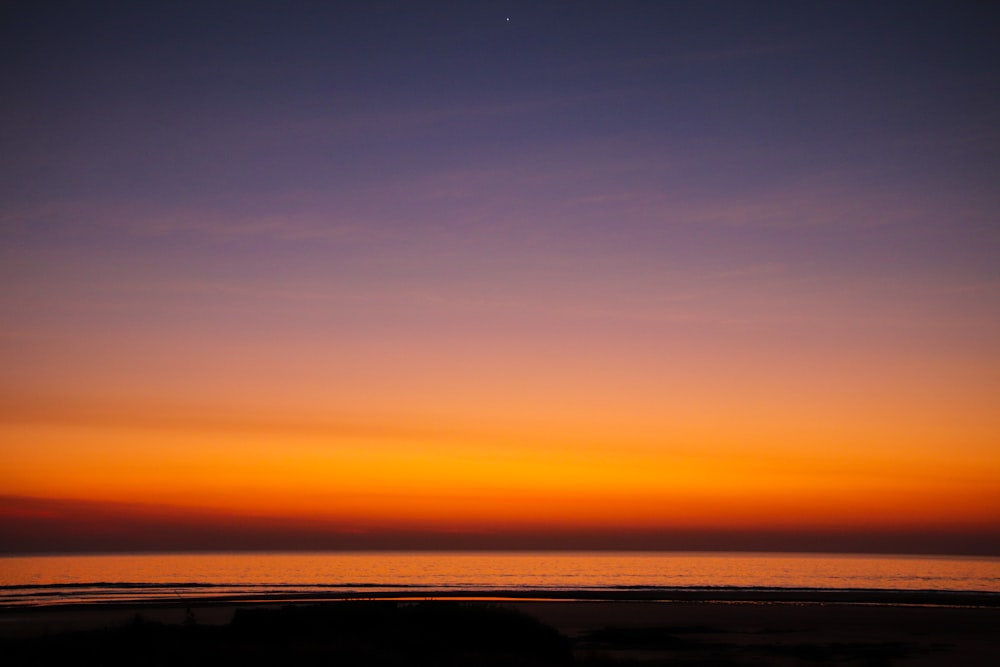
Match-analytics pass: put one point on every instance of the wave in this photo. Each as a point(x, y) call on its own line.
point(116, 593)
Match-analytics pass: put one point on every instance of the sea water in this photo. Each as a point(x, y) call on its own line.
point(163, 576)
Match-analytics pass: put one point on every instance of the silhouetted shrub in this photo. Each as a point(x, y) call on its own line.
point(348, 633)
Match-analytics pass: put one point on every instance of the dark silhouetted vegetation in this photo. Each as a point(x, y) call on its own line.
point(434, 634)
point(361, 633)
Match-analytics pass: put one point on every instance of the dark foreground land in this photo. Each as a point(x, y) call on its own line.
point(386, 632)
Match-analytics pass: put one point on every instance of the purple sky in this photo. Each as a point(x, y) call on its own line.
point(786, 206)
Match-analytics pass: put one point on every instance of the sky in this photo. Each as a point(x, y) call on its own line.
point(418, 275)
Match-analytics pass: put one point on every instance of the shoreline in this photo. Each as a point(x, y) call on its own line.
point(173, 597)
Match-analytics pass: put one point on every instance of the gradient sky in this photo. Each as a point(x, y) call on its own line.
point(688, 275)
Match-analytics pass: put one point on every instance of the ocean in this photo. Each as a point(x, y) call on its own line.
point(75, 579)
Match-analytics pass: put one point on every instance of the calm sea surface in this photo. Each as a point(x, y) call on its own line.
point(69, 579)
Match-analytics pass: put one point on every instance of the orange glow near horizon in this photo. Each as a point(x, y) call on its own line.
point(535, 478)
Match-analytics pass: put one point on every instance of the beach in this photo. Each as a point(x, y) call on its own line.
point(729, 632)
